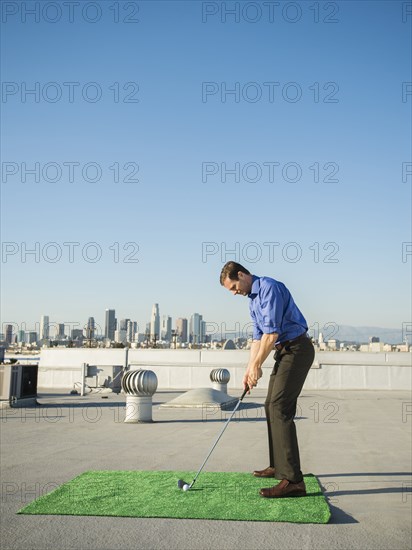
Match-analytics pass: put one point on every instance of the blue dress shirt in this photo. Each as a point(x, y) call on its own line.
point(273, 309)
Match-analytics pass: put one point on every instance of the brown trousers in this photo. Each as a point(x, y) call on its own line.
point(292, 365)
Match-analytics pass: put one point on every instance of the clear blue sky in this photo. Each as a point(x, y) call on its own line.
point(326, 95)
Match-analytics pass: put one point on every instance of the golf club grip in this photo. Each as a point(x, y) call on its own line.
point(244, 393)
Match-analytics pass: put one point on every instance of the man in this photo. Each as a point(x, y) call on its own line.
point(279, 324)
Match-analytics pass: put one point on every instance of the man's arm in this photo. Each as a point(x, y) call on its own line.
point(259, 352)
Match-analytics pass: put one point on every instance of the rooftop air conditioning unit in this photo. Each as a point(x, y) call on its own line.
point(18, 383)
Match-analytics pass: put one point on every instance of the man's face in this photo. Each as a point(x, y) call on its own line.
point(242, 286)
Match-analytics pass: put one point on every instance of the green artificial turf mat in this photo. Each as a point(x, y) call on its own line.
point(154, 494)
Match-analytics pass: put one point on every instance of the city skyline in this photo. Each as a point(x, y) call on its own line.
point(183, 327)
point(157, 325)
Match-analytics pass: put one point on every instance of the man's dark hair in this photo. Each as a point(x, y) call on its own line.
point(231, 270)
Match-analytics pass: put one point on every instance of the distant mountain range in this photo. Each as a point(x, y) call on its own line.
point(347, 333)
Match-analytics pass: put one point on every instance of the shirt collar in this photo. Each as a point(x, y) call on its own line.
point(255, 287)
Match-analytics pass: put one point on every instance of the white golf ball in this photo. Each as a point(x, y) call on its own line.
point(186, 487)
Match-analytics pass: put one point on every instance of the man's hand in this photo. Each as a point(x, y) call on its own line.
point(259, 351)
point(253, 374)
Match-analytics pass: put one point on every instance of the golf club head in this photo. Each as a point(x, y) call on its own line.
point(180, 483)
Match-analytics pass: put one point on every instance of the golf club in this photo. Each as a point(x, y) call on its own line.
point(185, 486)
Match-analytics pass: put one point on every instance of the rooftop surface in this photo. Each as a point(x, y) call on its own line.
point(357, 443)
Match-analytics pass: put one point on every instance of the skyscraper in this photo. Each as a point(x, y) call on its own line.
point(123, 324)
point(120, 336)
point(166, 333)
point(155, 323)
point(181, 329)
point(9, 334)
point(60, 334)
point(110, 324)
point(44, 327)
point(131, 330)
point(31, 337)
point(90, 329)
point(197, 328)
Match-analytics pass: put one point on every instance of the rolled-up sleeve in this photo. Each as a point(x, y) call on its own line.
point(257, 332)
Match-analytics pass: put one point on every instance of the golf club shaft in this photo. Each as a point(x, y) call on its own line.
point(220, 435)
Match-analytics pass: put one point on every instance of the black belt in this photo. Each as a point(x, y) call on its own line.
point(287, 343)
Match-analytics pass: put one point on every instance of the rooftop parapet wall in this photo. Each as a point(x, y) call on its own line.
point(187, 369)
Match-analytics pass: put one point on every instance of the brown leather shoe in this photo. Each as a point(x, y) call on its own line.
point(285, 489)
point(267, 472)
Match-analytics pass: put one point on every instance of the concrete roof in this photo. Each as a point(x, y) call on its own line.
point(357, 443)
